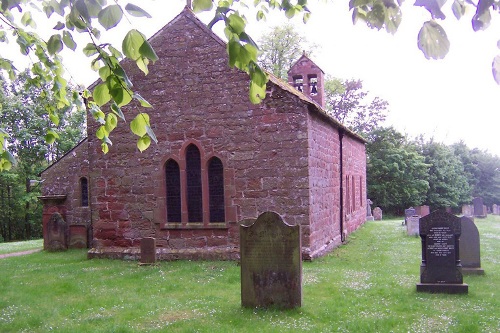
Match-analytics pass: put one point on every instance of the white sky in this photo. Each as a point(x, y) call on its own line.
point(452, 99)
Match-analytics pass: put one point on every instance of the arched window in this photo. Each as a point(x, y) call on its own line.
point(216, 190)
point(173, 178)
point(193, 176)
point(84, 191)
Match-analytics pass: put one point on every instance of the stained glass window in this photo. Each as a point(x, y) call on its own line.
point(173, 179)
point(193, 173)
point(216, 190)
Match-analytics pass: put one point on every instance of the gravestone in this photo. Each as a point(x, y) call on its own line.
point(148, 251)
point(422, 210)
point(440, 271)
point(467, 210)
point(494, 209)
point(271, 263)
point(57, 233)
point(470, 256)
point(412, 225)
point(478, 207)
point(408, 213)
point(78, 236)
point(377, 214)
point(369, 216)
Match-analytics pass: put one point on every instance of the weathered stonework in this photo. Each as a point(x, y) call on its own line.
point(284, 155)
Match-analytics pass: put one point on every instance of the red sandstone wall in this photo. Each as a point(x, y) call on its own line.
point(324, 182)
point(354, 164)
point(63, 178)
point(197, 99)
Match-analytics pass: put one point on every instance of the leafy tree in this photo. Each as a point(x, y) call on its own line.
point(347, 101)
point(24, 114)
point(280, 48)
point(448, 183)
point(487, 177)
point(397, 175)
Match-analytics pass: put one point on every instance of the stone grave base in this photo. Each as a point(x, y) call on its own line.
point(134, 253)
point(472, 271)
point(443, 288)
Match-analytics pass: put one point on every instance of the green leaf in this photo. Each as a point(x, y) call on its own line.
point(432, 40)
point(59, 26)
point(104, 148)
point(458, 9)
point(54, 45)
point(101, 133)
point(101, 94)
point(51, 136)
point(136, 11)
point(495, 67)
point(68, 40)
point(110, 16)
point(120, 95)
point(104, 73)
point(132, 43)
point(147, 51)
point(202, 5)
point(54, 118)
point(143, 143)
point(116, 110)
point(142, 63)
point(236, 23)
point(257, 92)
point(111, 122)
point(81, 6)
point(89, 50)
point(138, 125)
point(481, 20)
point(151, 134)
point(141, 100)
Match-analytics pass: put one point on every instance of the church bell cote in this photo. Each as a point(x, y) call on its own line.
point(308, 78)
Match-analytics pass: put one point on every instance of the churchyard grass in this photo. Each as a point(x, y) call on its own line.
point(11, 247)
point(367, 285)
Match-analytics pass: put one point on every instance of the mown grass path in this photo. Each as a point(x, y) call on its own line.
point(367, 285)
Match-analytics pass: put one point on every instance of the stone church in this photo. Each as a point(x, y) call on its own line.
point(219, 160)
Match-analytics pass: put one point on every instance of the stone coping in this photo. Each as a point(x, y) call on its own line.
point(60, 197)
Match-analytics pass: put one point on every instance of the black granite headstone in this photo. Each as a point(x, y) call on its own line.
point(441, 271)
point(271, 263)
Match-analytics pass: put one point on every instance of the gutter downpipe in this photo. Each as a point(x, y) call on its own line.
point(341, 165)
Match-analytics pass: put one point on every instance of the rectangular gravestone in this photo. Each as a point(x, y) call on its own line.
point(57, 233)
point(271, 263)
point(494, 209)
point(412, 225)
point(148, 251)
point(478, 207)
point(440, 271)
point(470, 256)
point(78, 236)
point(377, 214)
point(408, 213)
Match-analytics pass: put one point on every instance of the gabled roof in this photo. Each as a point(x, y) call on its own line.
point(304, 56)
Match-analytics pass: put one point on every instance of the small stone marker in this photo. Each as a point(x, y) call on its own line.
point(377, 214)
point(148, 251)
point(412, 225)
point(467, 210)
point(422, 210)
point(78, 236)
point(494, 209)
point(409, 213)
point(369, 216)
point(271, 263)
point(440, 271)
point(478, 207)
point(57, 233)
point(470, 254)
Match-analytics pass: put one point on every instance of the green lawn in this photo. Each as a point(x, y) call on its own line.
point(367, 285)
point(11, 247)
